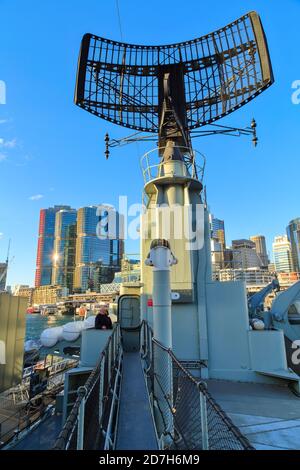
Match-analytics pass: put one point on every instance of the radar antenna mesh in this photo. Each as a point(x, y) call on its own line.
point(212, 76)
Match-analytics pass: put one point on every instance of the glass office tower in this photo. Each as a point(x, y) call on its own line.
point(293, 233)
point(64, 248)
point(218, 231)
point(282, 254)
point(95, 250)
point(46, 236)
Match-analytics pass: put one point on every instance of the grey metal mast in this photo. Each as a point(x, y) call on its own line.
point(170, 91)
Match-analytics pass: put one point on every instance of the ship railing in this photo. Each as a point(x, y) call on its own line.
point(152, 168)
point(18, 423)
point(9, 427)
point(186, 415)
point(91, 423)
point(53, 367)
point(20, 393)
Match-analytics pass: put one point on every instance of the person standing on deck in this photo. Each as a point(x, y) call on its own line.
point(102, 320)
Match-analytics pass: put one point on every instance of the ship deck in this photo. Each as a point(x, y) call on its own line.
point(268, 415)
point(43, 436)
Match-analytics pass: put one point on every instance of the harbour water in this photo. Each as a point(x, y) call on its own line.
point(36, 323)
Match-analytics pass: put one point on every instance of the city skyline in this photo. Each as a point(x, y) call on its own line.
point(217, 224)
point(241, 248)
point(75, 249)
point(55, 153)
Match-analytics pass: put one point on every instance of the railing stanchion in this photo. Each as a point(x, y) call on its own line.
point(112, 352)
point(80, 423)
point(109, 362)
point(204, 426)
point(101, 389)
point(150, 346)
point(115, 347)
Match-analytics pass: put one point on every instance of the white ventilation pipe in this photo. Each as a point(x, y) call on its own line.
point(161, 259)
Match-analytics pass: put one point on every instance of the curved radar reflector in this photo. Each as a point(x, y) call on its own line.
point(215, 75)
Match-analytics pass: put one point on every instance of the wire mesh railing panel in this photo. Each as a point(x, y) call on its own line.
point(187, 414)
point(91, 417)
point(84, 426)
point(188, 417)
point(223, 434)
point(163, 370)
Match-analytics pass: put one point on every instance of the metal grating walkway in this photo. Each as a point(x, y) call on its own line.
point(135, 428)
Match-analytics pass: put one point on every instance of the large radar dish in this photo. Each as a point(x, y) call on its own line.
point(207, 78)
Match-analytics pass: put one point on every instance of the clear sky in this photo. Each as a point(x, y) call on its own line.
point(52, 151)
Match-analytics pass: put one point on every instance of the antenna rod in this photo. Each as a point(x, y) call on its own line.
point(8, 251)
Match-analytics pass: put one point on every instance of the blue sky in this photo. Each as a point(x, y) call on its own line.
point(54, 151)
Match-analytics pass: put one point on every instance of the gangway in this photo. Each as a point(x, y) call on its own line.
point(135, 427)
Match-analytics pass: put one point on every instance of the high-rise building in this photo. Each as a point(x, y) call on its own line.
point(282, 254)
point(95, 249)
point(228, 258)
point(111, 226)
point(218, 244)
point(271, 268)
point(43, 275)
point(261, 249)
point(3, 274)
point(252, 276)
point(293, 233)
point(19, 287)
point(244, 254)
point(130, 271)
point(64, 248)
point(218, 231)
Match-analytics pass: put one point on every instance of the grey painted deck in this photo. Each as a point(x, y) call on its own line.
point(268, 415)
point(135, 425)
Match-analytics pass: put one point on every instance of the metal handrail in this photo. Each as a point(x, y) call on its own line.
point(198, 383)
point(24, 422)
point(195, 170)
point(57, 366)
